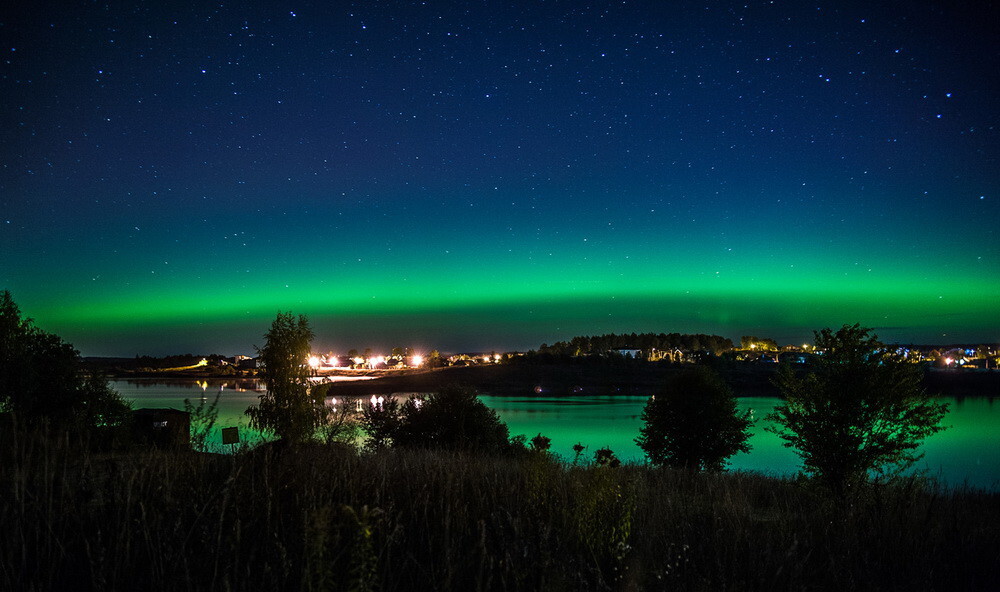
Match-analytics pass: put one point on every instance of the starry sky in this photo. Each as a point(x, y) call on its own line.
point(494, 175)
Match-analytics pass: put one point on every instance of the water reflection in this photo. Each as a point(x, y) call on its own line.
point(157, 384)
point(969, 451)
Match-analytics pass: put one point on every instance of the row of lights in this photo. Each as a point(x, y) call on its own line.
point(417, 360)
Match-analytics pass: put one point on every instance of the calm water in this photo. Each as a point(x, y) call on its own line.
point(969, 451)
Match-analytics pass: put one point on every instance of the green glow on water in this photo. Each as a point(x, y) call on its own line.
point(614, 422)
point(234, 398)
point(968, 451)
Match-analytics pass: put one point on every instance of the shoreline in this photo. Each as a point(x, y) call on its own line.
point(567, 379)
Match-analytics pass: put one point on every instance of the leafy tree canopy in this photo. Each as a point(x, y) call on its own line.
point(758, 343)
point(860, 412)
point(693, 422)
point(288, 408)
point(454, 419)
point(41, 378)
point(646, 342)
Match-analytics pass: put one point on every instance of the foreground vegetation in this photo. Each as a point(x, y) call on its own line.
point(330, 518)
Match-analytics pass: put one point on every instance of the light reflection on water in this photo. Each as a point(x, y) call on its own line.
point(969, 451)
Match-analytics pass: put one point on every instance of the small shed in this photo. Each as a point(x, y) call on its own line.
point(249, 364)
point(162, 428)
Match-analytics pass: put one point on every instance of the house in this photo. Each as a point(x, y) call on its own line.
point(792, 357)
point(249, 364)
point(981, 364)
point(162, 428)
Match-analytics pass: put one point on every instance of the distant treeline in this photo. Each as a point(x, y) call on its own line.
point(602, 344)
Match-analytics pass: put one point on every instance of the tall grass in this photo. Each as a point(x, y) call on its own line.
point(327, 518)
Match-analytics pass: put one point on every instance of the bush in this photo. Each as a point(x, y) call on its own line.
point(605, 457)
point(380, 421)
point(541, 443)
point(289, 408)
point(860, 411)
point(42, 380)
point(693, 423)
point(454, 418)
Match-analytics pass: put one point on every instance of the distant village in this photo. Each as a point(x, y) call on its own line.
point(763, 351)
point(647, 347)
point(369, 361)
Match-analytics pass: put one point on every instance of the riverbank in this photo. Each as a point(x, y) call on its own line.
point(214, 373)
point(559, 378)
point(332, 519)
point(565, 379)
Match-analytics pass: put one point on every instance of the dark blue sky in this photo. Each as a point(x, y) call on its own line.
point(490, 175)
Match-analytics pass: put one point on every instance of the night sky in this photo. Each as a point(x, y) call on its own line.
point(495, 175)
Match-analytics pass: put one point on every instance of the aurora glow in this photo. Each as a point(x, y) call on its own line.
point(497, 175)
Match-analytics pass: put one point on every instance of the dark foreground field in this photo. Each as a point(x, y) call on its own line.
point(330, 519)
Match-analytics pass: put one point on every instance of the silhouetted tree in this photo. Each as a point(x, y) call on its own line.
point(693, 423)
point(758, 343)
point(541, 443)
point(434, 359)
point(42, 379)
point(605, 457)
point(287, 408)
point(603, 344)
point(381, 421)
point(861, 410)
point(454, 419)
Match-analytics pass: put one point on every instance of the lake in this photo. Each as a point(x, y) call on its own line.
point(967, 452)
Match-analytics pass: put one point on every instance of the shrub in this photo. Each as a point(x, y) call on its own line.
point(454, 418)
point(42, 381)
point(860, 411)
point(541, 443)
point(693, 423)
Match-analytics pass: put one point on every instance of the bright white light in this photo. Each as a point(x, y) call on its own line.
point(417, 360)
point(358, 360)
point(314, 362)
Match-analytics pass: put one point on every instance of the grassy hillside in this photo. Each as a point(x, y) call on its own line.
point(332, 519)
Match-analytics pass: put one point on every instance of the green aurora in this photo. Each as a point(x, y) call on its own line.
point(468, 177)
point(482, 308)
